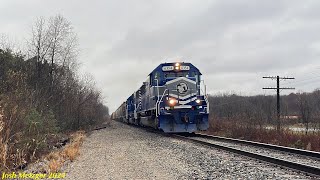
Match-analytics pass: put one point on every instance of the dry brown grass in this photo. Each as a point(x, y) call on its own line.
point(283, 138)
point(3, 144)
point(70, 152)
point(53, 155)
point(55, 161)
point(54, 165)
point(78, 137)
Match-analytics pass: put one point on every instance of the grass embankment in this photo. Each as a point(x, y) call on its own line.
point(55, 160)
point(284, 137)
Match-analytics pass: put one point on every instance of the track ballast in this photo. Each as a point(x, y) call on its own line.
point(207, 140)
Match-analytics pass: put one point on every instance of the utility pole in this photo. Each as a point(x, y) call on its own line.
point(278, 95)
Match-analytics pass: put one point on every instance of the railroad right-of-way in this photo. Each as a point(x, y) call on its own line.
point(300, 160)
point(126, 152)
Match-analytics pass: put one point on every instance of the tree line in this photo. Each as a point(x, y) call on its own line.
point(42, 96)
point(260, 111)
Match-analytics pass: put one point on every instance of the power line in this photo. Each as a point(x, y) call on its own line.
point(278, 94)
point(315, 74)
point(305, 81)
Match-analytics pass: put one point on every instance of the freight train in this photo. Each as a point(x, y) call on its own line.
point(172, 99)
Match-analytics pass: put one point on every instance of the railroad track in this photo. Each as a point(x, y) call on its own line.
point(303, 168)
point(208, 140)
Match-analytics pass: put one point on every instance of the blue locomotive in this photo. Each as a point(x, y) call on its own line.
point(171, 99)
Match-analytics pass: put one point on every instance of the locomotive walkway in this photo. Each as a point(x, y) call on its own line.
point(126, 152)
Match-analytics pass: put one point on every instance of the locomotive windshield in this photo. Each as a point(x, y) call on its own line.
point(176, 74)
point(181, 74)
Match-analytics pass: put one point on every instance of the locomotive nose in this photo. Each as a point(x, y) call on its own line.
point(183, 90)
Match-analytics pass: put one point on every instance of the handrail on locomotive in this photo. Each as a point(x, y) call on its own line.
point(159, 101)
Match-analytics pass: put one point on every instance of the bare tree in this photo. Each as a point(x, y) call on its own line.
point(39, 43)
point(53, 41)
point(5, 43)
point(316, 114)
point(306, 109)
point(63, 48)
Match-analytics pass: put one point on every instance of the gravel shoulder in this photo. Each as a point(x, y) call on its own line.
point(125, 152)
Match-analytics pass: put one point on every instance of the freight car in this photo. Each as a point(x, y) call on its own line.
point(171, 99)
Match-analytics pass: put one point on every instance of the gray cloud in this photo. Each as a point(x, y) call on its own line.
point(233, 42)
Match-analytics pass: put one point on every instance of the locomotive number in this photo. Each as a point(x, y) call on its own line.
point(186, 68)
point(167, 68)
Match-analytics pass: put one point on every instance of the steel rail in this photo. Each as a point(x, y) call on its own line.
point(310, 170)
point(307, 153)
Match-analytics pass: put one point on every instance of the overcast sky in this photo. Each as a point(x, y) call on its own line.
point(233, 42)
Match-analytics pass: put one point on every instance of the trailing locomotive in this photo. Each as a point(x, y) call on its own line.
point(170, 100)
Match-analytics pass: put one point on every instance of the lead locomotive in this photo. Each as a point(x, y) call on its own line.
point(170, 100)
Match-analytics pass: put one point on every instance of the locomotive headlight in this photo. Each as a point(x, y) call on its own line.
point(177, 66)
point(198, 101)
point(172, 102)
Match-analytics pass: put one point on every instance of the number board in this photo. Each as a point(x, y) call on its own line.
point(171, 68)
point(185, 68)
point(167, 68)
